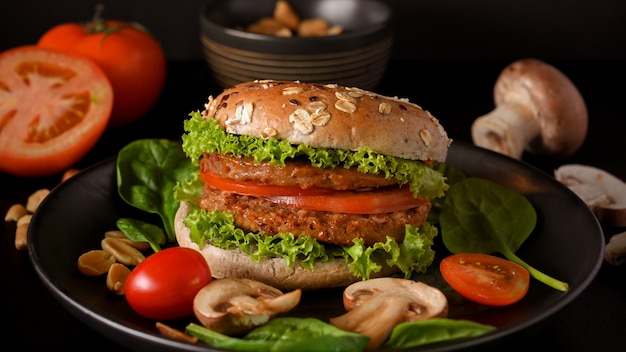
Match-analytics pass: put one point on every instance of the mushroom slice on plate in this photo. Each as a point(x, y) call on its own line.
point(615, 250)
point(376, 306)
point(538, 109)
point(235, 306)
point(603, 193)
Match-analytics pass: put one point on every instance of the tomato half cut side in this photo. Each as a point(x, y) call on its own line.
point(485, 279)
point(53, 109)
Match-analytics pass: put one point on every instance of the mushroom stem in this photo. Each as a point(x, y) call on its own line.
point(376, 306)
point(388, 313)
point(507, 129)
point(538, 109)
point(235, 306)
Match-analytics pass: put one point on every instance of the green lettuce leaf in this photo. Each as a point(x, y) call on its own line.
point(206, 136)
point(414, 254)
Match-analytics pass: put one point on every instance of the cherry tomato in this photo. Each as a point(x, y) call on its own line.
point(385, 200)
point(485, 279)
point(53, 109)
point(163, 286)
point(131, 58)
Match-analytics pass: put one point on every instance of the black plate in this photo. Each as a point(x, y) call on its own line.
point(568, 244)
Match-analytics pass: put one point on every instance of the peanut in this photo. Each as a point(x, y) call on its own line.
point(267, 25)
point(69, 173)
point(24, 219)
point(285, 14)
point(35, 199)
point(15, 212)
point(116, 278)
point(175, 334)
point(21, 234)
point(95, 262)
point(119, 235)
point(313, 27)
point(335, 30)
point(122, 251)
point(285, 22)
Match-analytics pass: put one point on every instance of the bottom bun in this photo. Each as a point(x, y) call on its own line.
point(234, 263)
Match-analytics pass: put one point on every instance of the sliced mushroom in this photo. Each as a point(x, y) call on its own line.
point(603, 193)
point(538, 109)
point(235, 306)
point(615, 250)
point(376, 306)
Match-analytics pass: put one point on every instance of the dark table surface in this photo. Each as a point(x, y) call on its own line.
point(456, 91)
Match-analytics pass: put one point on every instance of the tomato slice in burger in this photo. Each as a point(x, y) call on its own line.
point(256, 189)
point(53, 109)
point(485, 279)
point(386, 200)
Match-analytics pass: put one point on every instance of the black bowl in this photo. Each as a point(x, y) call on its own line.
point(356, 57)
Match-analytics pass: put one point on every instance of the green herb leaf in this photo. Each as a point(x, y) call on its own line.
point(206, 136)
point(419, 333)
point(147, 172)
point(141, 231)
point(480, 216)
point(415, 253)
point(286, 334)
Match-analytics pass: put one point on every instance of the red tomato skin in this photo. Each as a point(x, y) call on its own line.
point(71, 33)
point(485, 279)
point(38, 103)
point(133, 61)
point(163, 286)
point(323, 199)
point(258, 189)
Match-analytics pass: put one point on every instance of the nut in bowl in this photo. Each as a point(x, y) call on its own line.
point(352, 50)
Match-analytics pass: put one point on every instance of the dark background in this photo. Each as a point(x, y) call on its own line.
point(446, 57)
point(425, 29)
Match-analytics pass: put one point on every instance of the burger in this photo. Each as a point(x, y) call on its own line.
point(311, 186)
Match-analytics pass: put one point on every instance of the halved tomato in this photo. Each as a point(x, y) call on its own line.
point(53, 109)
point(485, 279)
point(385, 200)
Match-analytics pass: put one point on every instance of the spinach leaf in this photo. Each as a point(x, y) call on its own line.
point(418, 333)
point(147, 172)
point(141, 231)
point(221, 341)
point(480, 216)
point(286, 334)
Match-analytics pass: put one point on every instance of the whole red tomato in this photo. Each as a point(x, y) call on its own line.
point(163, 286)
point(131, 58)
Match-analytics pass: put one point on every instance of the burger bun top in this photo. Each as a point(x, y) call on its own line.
point(330, 116)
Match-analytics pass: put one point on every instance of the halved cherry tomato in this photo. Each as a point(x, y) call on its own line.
point(485, 279)
point(164, 285)
point(131, 58)
point(53, 109)
point(385, 200)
